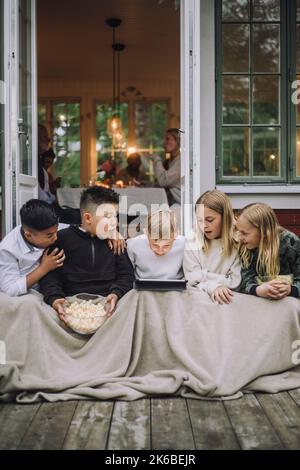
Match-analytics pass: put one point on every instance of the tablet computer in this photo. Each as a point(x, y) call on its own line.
point(160, 285)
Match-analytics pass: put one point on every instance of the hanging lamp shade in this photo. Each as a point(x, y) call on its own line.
point(114, 123)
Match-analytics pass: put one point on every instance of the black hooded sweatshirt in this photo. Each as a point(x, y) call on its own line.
point(90, 267)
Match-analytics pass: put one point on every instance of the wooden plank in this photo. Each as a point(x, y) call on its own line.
point(284, 415)
point(251, 425)
point(90, 426)
point(49, 428)
point(211, 426)
point(130, 427)
point(295, 394)
point(15, 419)
point(171, 427)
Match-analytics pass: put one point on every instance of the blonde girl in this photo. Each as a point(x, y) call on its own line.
point(270, 254)
point(211, 262)
point(158, 254)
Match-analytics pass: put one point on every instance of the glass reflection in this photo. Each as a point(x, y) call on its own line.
point(266, 10)
point(266, 153)
point(235, 100)
point(266, 41)
point(265, 100)
point(235, 151)
point(235, 10)
point(235, 48)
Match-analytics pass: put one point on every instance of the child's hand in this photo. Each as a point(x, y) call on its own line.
point(117, 244)
point(53, 260)
point(110, 304)
point(222, 295)
point(275, 291)
point(283, 287)
point(58, 305)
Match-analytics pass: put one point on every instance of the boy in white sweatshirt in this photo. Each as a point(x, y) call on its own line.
point(158, 254)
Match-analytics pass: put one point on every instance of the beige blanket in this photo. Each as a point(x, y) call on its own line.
point(155, 344)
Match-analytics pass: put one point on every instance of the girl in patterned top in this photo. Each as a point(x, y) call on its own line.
point(270, 254)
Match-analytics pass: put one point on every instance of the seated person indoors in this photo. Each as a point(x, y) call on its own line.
point(133, 174)
point(47, 184)
point(159, 253)
point(90, 266)
point(24, 255)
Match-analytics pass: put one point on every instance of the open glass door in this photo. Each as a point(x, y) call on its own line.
point(22, 148)
point(2, 101)
point(190, 110)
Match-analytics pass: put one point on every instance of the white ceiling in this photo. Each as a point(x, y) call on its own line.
point(75, 43)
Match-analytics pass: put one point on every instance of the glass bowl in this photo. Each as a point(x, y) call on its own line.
point(85, 313)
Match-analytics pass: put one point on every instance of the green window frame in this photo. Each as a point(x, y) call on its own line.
point(288, 123)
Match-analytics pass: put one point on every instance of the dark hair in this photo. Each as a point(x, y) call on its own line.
point(175, 133)
point(38, 215)
point(97, 195)
point(48, 154)
point(41, 162)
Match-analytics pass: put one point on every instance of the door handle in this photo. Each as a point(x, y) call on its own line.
point(22, 132)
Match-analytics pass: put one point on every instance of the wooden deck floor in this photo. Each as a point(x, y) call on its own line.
point(257, 421)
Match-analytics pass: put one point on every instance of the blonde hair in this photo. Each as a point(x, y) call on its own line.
point(262, 217)
point(220, 203)
point(161, 225)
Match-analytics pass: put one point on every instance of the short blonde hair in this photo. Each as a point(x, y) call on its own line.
point(220, 203)
point(262, 217)
point(161, 225)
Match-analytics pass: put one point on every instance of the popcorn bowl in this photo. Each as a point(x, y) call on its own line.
point(85, 313)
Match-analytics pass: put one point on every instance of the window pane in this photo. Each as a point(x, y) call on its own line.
point(298, 152)
point(296, 99)
point(298, 47)
point(265, 100)
point(42, 114)
point(25, 84)
point(235, 48)
point(66, 139)
point(266, 154)
point(266, 10)
point(111, 150)
point(235, 151)
point(266, 43)
point(235, 10)
point(151, 122)
point(235, 100)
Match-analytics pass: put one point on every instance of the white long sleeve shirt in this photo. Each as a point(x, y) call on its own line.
point(17, 260)
point(169, 178)
point(209, 270)
point(147, 265)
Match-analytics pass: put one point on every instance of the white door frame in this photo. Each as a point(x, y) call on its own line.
point(190, 110)
point(18, 187)
point(7, 167)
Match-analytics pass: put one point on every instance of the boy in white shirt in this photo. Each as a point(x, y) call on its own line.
point(159, 253)
point(24, 257)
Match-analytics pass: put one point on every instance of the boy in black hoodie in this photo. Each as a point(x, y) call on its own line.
point(90, 265)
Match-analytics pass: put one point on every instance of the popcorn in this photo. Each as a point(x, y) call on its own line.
point(85, 316)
